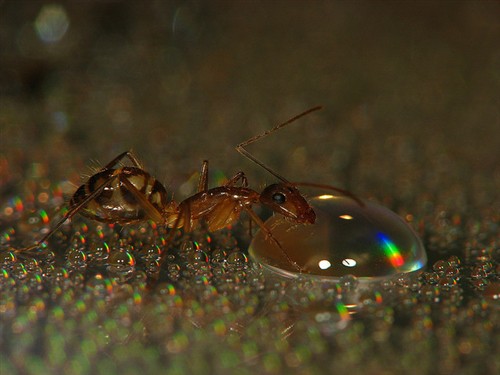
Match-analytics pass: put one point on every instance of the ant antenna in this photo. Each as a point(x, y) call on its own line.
point(241, 147)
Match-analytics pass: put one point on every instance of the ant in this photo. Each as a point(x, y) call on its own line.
point(221, 206)
point(129, 194)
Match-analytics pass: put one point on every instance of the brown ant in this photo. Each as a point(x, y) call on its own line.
point(128, 195)
point(221, 206)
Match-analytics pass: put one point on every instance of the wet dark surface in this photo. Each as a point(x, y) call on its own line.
point(410, 120)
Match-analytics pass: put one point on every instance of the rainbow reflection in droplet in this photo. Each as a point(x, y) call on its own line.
point(367, 241)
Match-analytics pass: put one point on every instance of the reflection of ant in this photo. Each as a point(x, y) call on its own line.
point(129, 194)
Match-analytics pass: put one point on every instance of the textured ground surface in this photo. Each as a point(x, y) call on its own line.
point(411, 120)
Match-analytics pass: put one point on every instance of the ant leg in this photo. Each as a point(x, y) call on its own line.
point(203, 181)
point(241, 147)
point(238, 176)
point(183, 216)
point(151, 210)
point(269, 235)
point(71, 212)
point(127, 154)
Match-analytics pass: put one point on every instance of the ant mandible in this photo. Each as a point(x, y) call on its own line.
point(128, 195)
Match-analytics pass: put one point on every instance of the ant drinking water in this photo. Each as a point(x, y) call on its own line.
point(129, 194)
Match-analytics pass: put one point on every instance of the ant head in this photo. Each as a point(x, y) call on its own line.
point(286, 199)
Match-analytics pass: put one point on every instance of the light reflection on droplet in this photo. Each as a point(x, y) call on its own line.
point(324, 264)
point(349, 262)
point(369, 242)
point(346, 217)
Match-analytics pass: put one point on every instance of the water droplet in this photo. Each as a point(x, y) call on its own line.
point(454, 261)
point(174, 271)
point(152, 267)
point(369, 242)
point(121, 264)
point(98, 253)
point(150, 252)
point(349, 282)
point(196, 257)
point(440, 266)
point(19, 271)
point(218, 256)
point(7, 258)
point(237, 260)
point(76, 259)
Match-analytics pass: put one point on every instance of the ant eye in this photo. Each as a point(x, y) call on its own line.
point(279, 198)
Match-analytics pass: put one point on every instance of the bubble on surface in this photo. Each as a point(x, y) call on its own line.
point(369, 242)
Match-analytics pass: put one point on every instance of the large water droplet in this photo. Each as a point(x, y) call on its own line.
point(369, 242)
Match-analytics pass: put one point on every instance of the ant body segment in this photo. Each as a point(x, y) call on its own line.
point(123, 195)
point(129, 194)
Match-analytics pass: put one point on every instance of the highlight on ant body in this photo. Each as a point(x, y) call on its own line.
point(129, 194)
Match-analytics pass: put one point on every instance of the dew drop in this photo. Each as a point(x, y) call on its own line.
point(197, 257)
point(121, 264)
point(76, 259)
point(174, 271)
point(440, 266)
point(19, 271)
point(218, 256)
point(369, 242)
point(237, 260)
point(7, 258)
point(98, 253)
point(152, 267)
point(349, 282)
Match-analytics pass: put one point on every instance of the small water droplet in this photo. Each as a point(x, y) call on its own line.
point(348, 282)
point(218, 256)
point(367, 241)
point(121, 264)
point(7, 258)
point(76, 259)
point(454, 261)
point(440, 266)
point(174, 271)
point(197, 257)
point(152, 267)
point(237, 260)
point(150, 252)
point(98, 253)
point(18, 271)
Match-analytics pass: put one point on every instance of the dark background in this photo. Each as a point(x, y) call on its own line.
point(411, 97)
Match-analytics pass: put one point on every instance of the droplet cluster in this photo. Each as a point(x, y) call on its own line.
point(96, 299)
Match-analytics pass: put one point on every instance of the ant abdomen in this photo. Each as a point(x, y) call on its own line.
point(121, 198)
